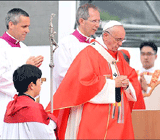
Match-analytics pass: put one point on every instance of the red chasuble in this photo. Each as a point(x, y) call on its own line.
point(83, 81)
point(24, 109)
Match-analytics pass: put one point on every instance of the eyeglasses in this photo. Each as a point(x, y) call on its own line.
point(147, 54)
point(116, 39)
point(95, 21)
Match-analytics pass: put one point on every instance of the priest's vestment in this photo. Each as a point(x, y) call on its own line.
point(12, 55)
point(85, 103)
point(69, 47)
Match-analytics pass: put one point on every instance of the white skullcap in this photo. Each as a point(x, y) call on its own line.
point(110, 24)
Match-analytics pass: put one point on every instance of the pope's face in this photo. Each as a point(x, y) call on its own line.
point(114, 38)
point(20, 30)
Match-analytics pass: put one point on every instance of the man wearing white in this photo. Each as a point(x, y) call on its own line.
point(148, 74)
point(13, 53)
point(88, 19)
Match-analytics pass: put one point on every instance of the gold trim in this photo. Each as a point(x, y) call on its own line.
point(68, 106)
point(71, 106)
point(108, 121)
point(150, 92)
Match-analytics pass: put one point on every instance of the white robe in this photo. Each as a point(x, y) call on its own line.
point(68, 49)
point(29, 130)
point(10, 59)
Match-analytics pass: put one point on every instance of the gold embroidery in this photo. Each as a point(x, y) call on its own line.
point(155, 77)
point(108, 121)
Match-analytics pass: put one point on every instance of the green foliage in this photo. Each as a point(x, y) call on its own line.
point(106, 16)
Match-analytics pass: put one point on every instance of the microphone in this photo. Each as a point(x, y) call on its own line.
point(118, 94)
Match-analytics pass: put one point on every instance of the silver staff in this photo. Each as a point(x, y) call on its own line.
point(51, 65)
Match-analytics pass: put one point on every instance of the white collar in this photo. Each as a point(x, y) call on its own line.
point(12, 37)
point(100, 40)
point(147, 70)
point(87, 38)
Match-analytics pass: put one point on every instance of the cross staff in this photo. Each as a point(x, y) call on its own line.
point(51, 65)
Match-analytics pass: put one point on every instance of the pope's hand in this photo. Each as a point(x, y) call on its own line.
point(121, 81)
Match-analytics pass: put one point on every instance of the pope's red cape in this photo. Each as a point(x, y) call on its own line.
point(84, 80)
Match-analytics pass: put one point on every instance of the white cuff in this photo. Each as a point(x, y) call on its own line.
point(130, 93)
point(106, 95)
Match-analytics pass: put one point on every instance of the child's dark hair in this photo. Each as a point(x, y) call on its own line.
point(24, 75)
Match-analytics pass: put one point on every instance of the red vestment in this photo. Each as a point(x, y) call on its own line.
point(24, 109)
point(26, 119)
point(83, 81)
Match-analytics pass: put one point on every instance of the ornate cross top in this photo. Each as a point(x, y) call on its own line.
point(115, 74)
point(114, 62)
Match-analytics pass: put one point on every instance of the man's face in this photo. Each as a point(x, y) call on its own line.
point(37, 87)
point(90, 26)
point(20, 30)
point(114, 38)
point(148, 57)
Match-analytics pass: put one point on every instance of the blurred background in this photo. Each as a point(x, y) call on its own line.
point(141, 20)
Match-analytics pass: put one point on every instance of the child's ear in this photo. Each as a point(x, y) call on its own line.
point(30, 86)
